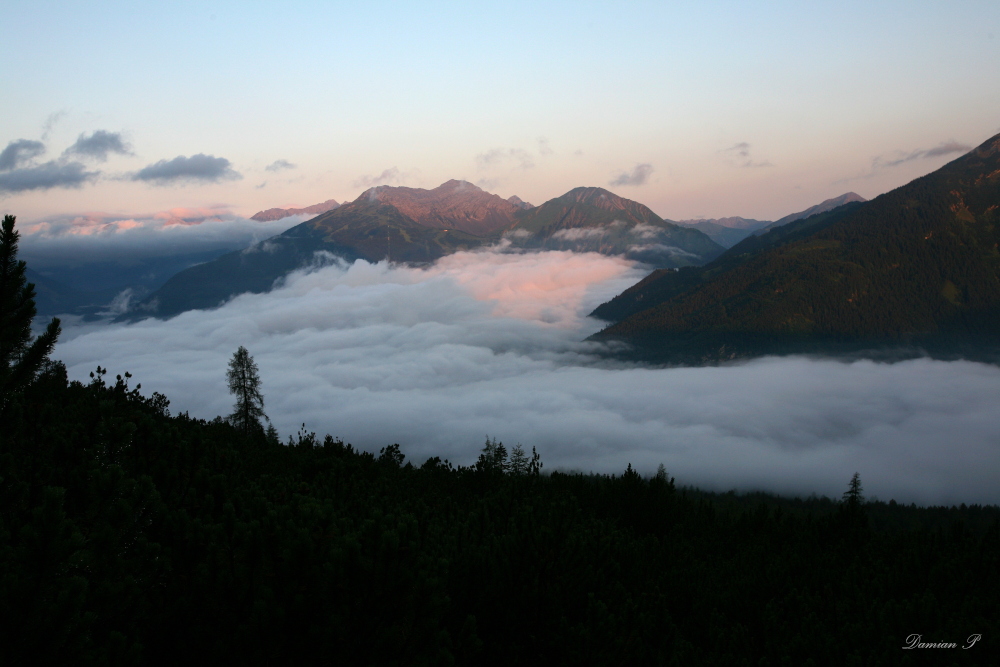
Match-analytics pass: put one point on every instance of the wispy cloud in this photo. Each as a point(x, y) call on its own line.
point(580, 233)
point(99, 144)
point(901, 157)
point(278, 165)
point(488, 184)
point(390, 176)
point(882, 162)
point(198, 168)
point(739, 153)
point(638, 176)
point(543, 146)
point(50, 123)
point(499, 157)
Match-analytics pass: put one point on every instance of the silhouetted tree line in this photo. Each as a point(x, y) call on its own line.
point(129, 535)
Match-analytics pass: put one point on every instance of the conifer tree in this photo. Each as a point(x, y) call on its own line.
point(244, 382)
point(519, 461)
point(493, 458)
point(20, 357)
point(853, 497)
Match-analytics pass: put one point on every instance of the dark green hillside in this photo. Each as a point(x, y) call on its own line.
point(130, 536)
point(664, 284)
point(596, 220)
point(918, 266)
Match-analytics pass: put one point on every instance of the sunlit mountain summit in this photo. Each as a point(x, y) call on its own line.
point(417, 226)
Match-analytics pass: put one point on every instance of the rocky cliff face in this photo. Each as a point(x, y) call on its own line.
point(279, 213)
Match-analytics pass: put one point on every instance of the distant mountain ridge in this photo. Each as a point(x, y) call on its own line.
point(822, 207)
point(917, 267)
point(279, 213)
point(733, 222)
point(727, 232)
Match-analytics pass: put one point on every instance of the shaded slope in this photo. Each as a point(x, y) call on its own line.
point(918, 265)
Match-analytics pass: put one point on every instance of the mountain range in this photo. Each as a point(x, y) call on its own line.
point(418, 226)
point(727, 232)
point(916, 269)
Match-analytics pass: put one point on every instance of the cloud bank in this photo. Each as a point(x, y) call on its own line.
point(51, 174)
point(96, 237)
point(198, 168)
point(99, 144)
point(489, 343)
point(20, 152)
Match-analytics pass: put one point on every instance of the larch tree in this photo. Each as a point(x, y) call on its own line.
point(20, 357)
point(244, 383)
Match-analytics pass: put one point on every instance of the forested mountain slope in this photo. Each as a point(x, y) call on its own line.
point(918, 266)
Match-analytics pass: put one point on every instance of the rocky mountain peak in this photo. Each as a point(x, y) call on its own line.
point(454, 204)
point(520, 203)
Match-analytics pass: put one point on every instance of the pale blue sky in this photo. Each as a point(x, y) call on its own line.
point(752, 109)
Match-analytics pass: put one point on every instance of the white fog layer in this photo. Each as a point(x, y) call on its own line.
point(490, 344)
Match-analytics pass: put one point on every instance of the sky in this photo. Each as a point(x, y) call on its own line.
point(490, 344)
point(697, 109)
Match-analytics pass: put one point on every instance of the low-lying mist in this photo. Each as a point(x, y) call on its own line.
point(488, 343)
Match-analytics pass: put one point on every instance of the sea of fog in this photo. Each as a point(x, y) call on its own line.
point(489, 344)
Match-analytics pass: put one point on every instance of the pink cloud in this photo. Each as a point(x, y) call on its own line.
point(548, 287)
point(193, 216)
